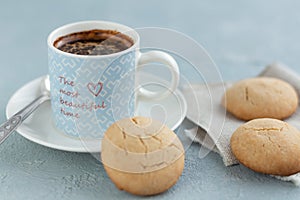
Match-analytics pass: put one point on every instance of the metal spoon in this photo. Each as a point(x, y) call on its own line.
point(16, 120)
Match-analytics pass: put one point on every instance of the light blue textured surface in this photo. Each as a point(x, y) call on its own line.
point(242, 37)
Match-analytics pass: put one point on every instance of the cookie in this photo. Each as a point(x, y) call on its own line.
point(268, 146)
point(142, 156)
point(261, 98)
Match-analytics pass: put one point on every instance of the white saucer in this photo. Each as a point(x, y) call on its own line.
point(39, 127)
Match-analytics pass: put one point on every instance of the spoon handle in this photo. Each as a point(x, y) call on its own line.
point(16, 120)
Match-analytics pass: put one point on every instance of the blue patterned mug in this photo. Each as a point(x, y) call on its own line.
point(90, 92)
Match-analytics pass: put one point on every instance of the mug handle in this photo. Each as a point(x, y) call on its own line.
point(166, 59)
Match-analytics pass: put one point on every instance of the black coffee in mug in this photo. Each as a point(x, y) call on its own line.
point(94, 42)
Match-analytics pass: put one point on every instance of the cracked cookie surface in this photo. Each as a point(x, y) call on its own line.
point(268, 146)
point(260, 98)
point(142, 156)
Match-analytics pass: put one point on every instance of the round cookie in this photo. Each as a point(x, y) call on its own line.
point(142, 156)
point(261, 98)
point(268, 146)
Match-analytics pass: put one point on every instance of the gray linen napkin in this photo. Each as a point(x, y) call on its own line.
point(213, 115)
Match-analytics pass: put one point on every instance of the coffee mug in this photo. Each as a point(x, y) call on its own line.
point(90, 92)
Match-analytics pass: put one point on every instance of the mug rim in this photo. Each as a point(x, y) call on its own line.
point(50, 38)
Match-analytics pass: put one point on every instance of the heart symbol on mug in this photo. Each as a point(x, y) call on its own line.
point(95, 89)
